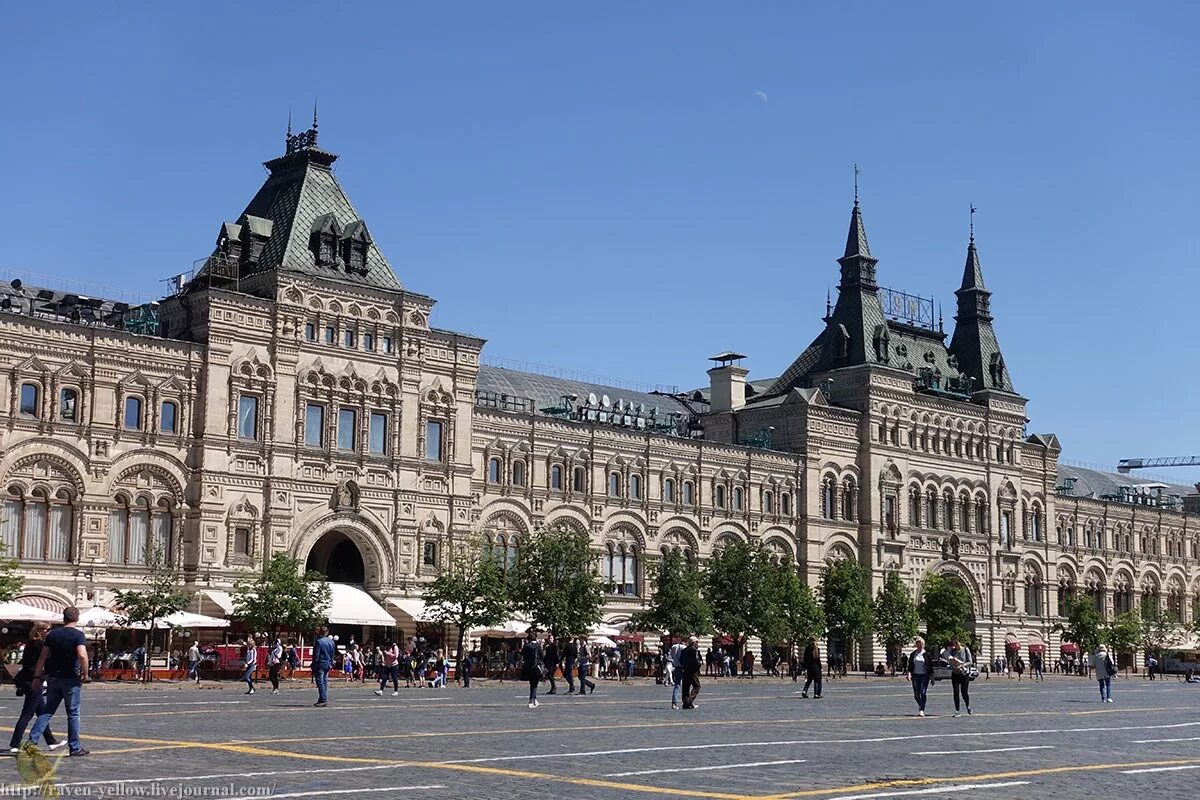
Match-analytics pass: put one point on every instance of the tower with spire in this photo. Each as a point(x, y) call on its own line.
point(974, 343)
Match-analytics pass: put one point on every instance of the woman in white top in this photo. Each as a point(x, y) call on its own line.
point(274, 662)
point(920, 667)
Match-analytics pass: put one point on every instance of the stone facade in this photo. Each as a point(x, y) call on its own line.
point(293, 397)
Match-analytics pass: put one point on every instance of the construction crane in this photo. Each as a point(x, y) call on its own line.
point(1126, 465)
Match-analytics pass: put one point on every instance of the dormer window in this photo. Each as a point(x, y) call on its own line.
point(355, 242)
point(323, 240)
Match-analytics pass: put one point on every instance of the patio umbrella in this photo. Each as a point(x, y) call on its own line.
point(183, 619)
point(12, 611)
point(508, 629)
point(603, 641)
point(98, 617)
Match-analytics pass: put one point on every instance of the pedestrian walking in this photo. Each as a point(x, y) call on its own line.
point(531, 666)
point(812, 669)
point(293, 661)
point(920, 668)
point(274, 662)
point(464, 670)
point(389, 657)
point(675, 660)
point(690, 662)
point(1035, 668)
point(585, 663)
point(193, 661)
point(962, 662)
point(250, 656)
point(550, 660)
point(322, 661)
point(570, 656)
point(1019, 667)
point(35, 702)
point(63, 667)
point(1105, 669)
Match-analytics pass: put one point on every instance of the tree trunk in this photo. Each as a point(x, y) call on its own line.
point(147, 643)
point(458, 659)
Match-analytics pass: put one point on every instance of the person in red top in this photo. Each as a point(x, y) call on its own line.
point(390, 670)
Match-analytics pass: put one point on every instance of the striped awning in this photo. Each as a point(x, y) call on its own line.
point(44, 603)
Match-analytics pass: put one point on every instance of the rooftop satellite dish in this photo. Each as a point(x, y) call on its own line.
point(592, 399)
point(604, 401)
point(641, 409)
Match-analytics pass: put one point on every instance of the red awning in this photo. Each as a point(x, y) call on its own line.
point(1037, 648)
point(1014, 646)
point(629, 637)
point(1069, 647)
point(724, 641)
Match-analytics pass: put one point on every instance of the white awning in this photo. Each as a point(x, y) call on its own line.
point(183, 619)
point(98, 617)
point(19, 612)
point(412, 607)
point(349, 605)
point(510, 629)
point(222, 600)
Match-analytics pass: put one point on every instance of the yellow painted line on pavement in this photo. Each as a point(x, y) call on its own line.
point(1023, 773)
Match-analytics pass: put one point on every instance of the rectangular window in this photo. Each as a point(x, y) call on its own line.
point(133, 413)
point(386, 344)
point(347, 428)
point(241, 541)
point(247, 419)
point(29, 399)
point(310, 332)
point(314, 425)
point(368, 342)
point(349, 338)
point(67, 401)
point(330, 334)
point(166, 419)
point(433, 440)
point(378, 434)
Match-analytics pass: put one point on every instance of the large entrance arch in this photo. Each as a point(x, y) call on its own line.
point(336, 556)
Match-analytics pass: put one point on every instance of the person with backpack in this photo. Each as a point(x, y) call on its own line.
point(1102, 662)
point(962, 661)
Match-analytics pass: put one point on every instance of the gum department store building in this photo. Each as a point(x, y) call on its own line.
point(292, 396)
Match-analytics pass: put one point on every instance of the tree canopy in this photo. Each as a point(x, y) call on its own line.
point(676, 605)
point(741, 585)
point(556, 585)
point(896, 619)
point(1084, 626)
point(802, 616)
point(945, 606)
point(282, 596)
point(847, 601)
point(160, 596)
point(469, 593)
point(11, 580)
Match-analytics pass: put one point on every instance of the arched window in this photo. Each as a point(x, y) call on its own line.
point(518, 473)
point(68, 405)
point(37, 527)
point(848, 497)
point(133, 413)
point(504, 549)
point(578, 479)
point(964, 514)
point(31, 395)
point(737, 498)
point(1035, 524)
point(689, 493)
point(914, 508)
point(1033, 594)
point(635, 487)
point(614, 484)
point(556, 475)
point(1066, 593)
point(118, 532)
point(620, 569)
point(493, 474)
point(931, 509)
point(948, 517)
point(981, 516)
point(785, 504)
point(719, 496)
point(669, 490)
point(828, 498)
point(167, 417)
point(768, 502)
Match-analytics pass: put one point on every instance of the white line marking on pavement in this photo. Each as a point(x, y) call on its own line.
point(989, 750)
point(342, 792)
point(702, 769)
point(1157, 741)
point(776, 742)
point(188, 703)
point(1158, 769)
point(935, 790)
point(180, 778)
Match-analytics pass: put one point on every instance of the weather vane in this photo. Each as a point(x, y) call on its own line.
point(973, 210)
point(857, 172)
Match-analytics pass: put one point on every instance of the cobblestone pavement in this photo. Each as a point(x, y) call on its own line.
point(746, 739)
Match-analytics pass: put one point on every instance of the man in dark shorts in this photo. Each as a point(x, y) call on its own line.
point(64, 666)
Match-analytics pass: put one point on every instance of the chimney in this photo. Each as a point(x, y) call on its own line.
point(727, 382)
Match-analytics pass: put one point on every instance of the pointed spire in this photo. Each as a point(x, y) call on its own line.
point(828, 304)
point(314, 125)
point(856, 238)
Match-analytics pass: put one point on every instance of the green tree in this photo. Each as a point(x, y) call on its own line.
point(469, 593)
point(281, 596)
point(161, 596)
point(1160, 631)
point(676, 606)
point(945, 605)
point(11, 580)
point(1124, 633)
point(741, 586)
point(1084, 626)
point(896, 620)
point(556, 585)
point(802, 614)
point(847, 602)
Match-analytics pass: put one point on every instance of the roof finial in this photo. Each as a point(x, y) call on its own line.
point(973, 210)
point(828, 305)
point(314, 125)
point(941, 327)
point(857, 172)
point(289, 133)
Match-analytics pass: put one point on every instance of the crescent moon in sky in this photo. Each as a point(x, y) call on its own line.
point(761, 95)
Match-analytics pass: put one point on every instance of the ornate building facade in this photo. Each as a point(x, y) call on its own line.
point(292, 396)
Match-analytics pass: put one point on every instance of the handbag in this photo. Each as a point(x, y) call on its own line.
point(1109, 667)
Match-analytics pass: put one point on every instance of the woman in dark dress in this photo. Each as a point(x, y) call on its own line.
point(34, 700)
point(812, 668)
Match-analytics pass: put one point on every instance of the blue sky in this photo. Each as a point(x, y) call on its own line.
point(602, 187)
